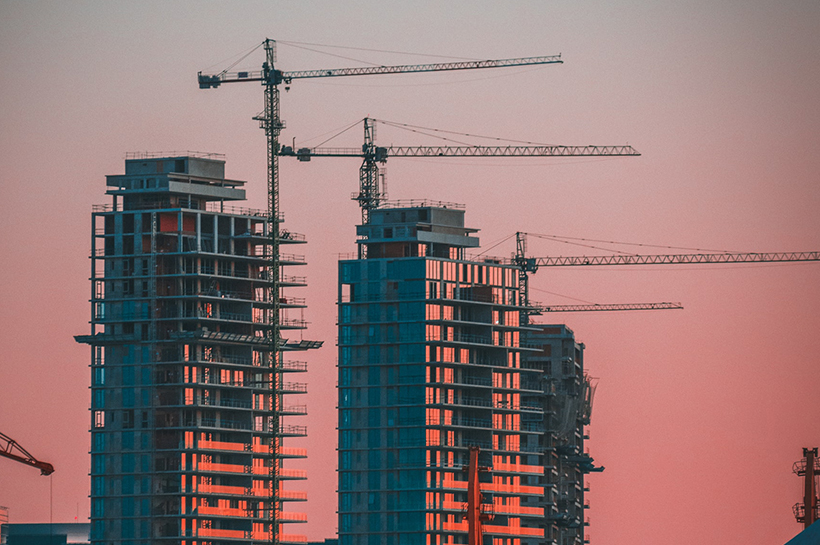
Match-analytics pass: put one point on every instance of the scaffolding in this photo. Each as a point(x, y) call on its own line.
point(188, 388)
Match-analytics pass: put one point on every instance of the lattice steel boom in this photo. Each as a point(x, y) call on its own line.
point(676, 259)
point(9, 448)
point(607, 307)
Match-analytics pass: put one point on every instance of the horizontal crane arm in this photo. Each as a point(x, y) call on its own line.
point(677, 259)
point(610, 307)
point(276, 77)
point(409, 68)
point(508, 151)
point(10, 449)
point(381, 154)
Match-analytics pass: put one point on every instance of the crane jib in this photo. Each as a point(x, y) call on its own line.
point(207, 81)
point(381, 154)
point(678, 259)
point(407, 68)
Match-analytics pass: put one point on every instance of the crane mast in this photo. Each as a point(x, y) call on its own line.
point(9, 448)
point(271, 122)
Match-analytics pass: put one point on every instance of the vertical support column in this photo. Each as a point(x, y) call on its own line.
point(153, 313)
point(473, 500)
point(810, 491)
point(525, 267)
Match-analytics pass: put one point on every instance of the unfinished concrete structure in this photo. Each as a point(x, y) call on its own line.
point(436, 355)
point(565, 397)
point(430, 364)
point(186, 395)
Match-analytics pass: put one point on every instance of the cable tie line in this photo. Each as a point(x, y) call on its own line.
point(495, 138)
point(508, 237)
point(333, 54)
point(342, 128)
point(555, 237)
point(251, 50)
point(355, 123)
point(562, 295)
point(294, 44)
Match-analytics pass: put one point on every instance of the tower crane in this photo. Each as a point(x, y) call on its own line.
point(527, 264)
point(371, 180)
point(9, 448)
point(270, 121)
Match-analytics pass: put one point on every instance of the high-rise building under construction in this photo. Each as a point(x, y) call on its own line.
point(187, 389)
point(433, 360)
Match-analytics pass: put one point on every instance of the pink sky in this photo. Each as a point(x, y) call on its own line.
point(699, 413)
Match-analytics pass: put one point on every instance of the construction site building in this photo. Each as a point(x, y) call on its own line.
point(431, 363)
point(186, 386)
point(565, 398)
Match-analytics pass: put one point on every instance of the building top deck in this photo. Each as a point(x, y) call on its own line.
point(424, 222)
point(184, 175)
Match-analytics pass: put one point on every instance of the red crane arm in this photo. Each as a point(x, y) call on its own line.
point(9, 448)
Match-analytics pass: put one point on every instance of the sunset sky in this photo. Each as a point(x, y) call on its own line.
point(699, 412)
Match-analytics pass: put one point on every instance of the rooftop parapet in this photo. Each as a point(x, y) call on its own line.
point(426, 223)
point(196, 176)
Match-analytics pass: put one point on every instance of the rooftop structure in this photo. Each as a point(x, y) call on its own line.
point(187, 395)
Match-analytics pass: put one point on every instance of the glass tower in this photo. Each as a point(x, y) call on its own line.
point(187, 399)
point(430, 364)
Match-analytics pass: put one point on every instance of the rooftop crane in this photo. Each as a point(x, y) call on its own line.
point(9, 448)
point(528, 265)
point(271, 122)
point(371, 181)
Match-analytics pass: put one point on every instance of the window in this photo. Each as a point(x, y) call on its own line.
point(97, 509)
point(98, 442)
point(97, 486)
point(99, 419)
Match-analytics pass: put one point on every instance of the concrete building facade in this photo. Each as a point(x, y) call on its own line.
point(430, 364)
point(187, 396)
